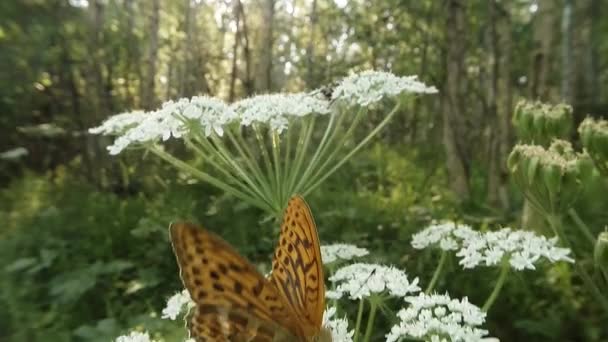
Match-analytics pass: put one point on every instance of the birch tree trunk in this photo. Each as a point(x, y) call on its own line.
point(149, 84)
point(454, 100)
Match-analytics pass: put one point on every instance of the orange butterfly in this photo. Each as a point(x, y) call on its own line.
point(234, 302)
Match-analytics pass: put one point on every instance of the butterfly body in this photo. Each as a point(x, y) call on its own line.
point(234, 302)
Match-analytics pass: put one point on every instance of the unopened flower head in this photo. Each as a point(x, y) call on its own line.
point(276, 109)
point(362, 280)
point(443, 235)
point(369, 87)
point(178, 303)
point(337, 326)
point(135, 336)
point(439, 318)
point(341, 251)
point(522, 249)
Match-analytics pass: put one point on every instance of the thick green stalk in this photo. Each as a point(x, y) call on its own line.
point(437, 273)
point(370, 320)
point(301, 150)
point(276, 151)
point(355, 150)
point(269, 169)
point(504, 271)
point(359, 317)
point(555, 221)
point(582, 226)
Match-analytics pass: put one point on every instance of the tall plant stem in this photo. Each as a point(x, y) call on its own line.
point(555, 221)
point(437, 273)
point(581, 225)
point(359, 317)
point(370, 320)
point(504, 271)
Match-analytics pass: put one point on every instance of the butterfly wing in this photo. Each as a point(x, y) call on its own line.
point(234, 302)
point(297, 270)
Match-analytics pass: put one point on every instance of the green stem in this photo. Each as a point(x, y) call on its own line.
point(370, 320)
point(555, 221)
point(504, 271)
point(181, 165)
point(301, 150)
point(355, 150)
point(359, 316)
point(581, 225)
point(276, 151)
point(437, 273)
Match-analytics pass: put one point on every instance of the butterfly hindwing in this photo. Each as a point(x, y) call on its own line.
point(297, 270)
point(234, 302)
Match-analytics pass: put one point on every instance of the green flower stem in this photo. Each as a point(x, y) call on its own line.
point(355, 150)
point(311, 164)
point(437, 273)
point(220, 150)
point(370, 320)
point(181, 165)
point(504, 271)
point(287, 161)
point(314, 160)
point(328, 159)
point(359, 317)
point(269, 169)
point(581, 225)
point(243, 147)
point(206, 156)
point(555, 221)
point(301, 149)
point(275, 140)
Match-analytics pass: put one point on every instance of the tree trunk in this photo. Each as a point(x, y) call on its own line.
point(265, 77)
point(454, 138)
point(567, 65)
point(248, 83)
point(543, 28)
point(499, 102)
point(310, 49)
point(235, 52)
point(149, 85)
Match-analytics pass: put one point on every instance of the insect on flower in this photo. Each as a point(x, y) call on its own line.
point(234, 302)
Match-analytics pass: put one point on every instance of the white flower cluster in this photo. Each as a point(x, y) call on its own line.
point(275, 109)
point(439, 318)
point(135, 336)
point(174, 119)
point(522, 249)
point(361, 280)
point(176, 304)
point(208, 114)
point(371, 86)
point(341, 251)
point(337, 326)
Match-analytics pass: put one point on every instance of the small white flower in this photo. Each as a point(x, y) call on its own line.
point(135, 336)
point(370, 86)
point(337, 326)
point(341, 251)
point(275, 109)
point(117, 124)
point(439, 318)
point(176, 304)
point(361, 280)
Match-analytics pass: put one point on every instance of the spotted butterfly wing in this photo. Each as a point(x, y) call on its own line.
point(234, 302)
point(297, 270)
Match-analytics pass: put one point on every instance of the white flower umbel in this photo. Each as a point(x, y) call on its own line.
point(439, 318)
point(446, 236)
point(135, 336)
point(275, 110)
point(369, 87)
point(178, 303)
point(337, 326)
point(362, 280)
point(267, 148)
point(341, 251)
point(522, 249)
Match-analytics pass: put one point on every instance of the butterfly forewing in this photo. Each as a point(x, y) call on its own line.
point(234, 302)
point(297, 270)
